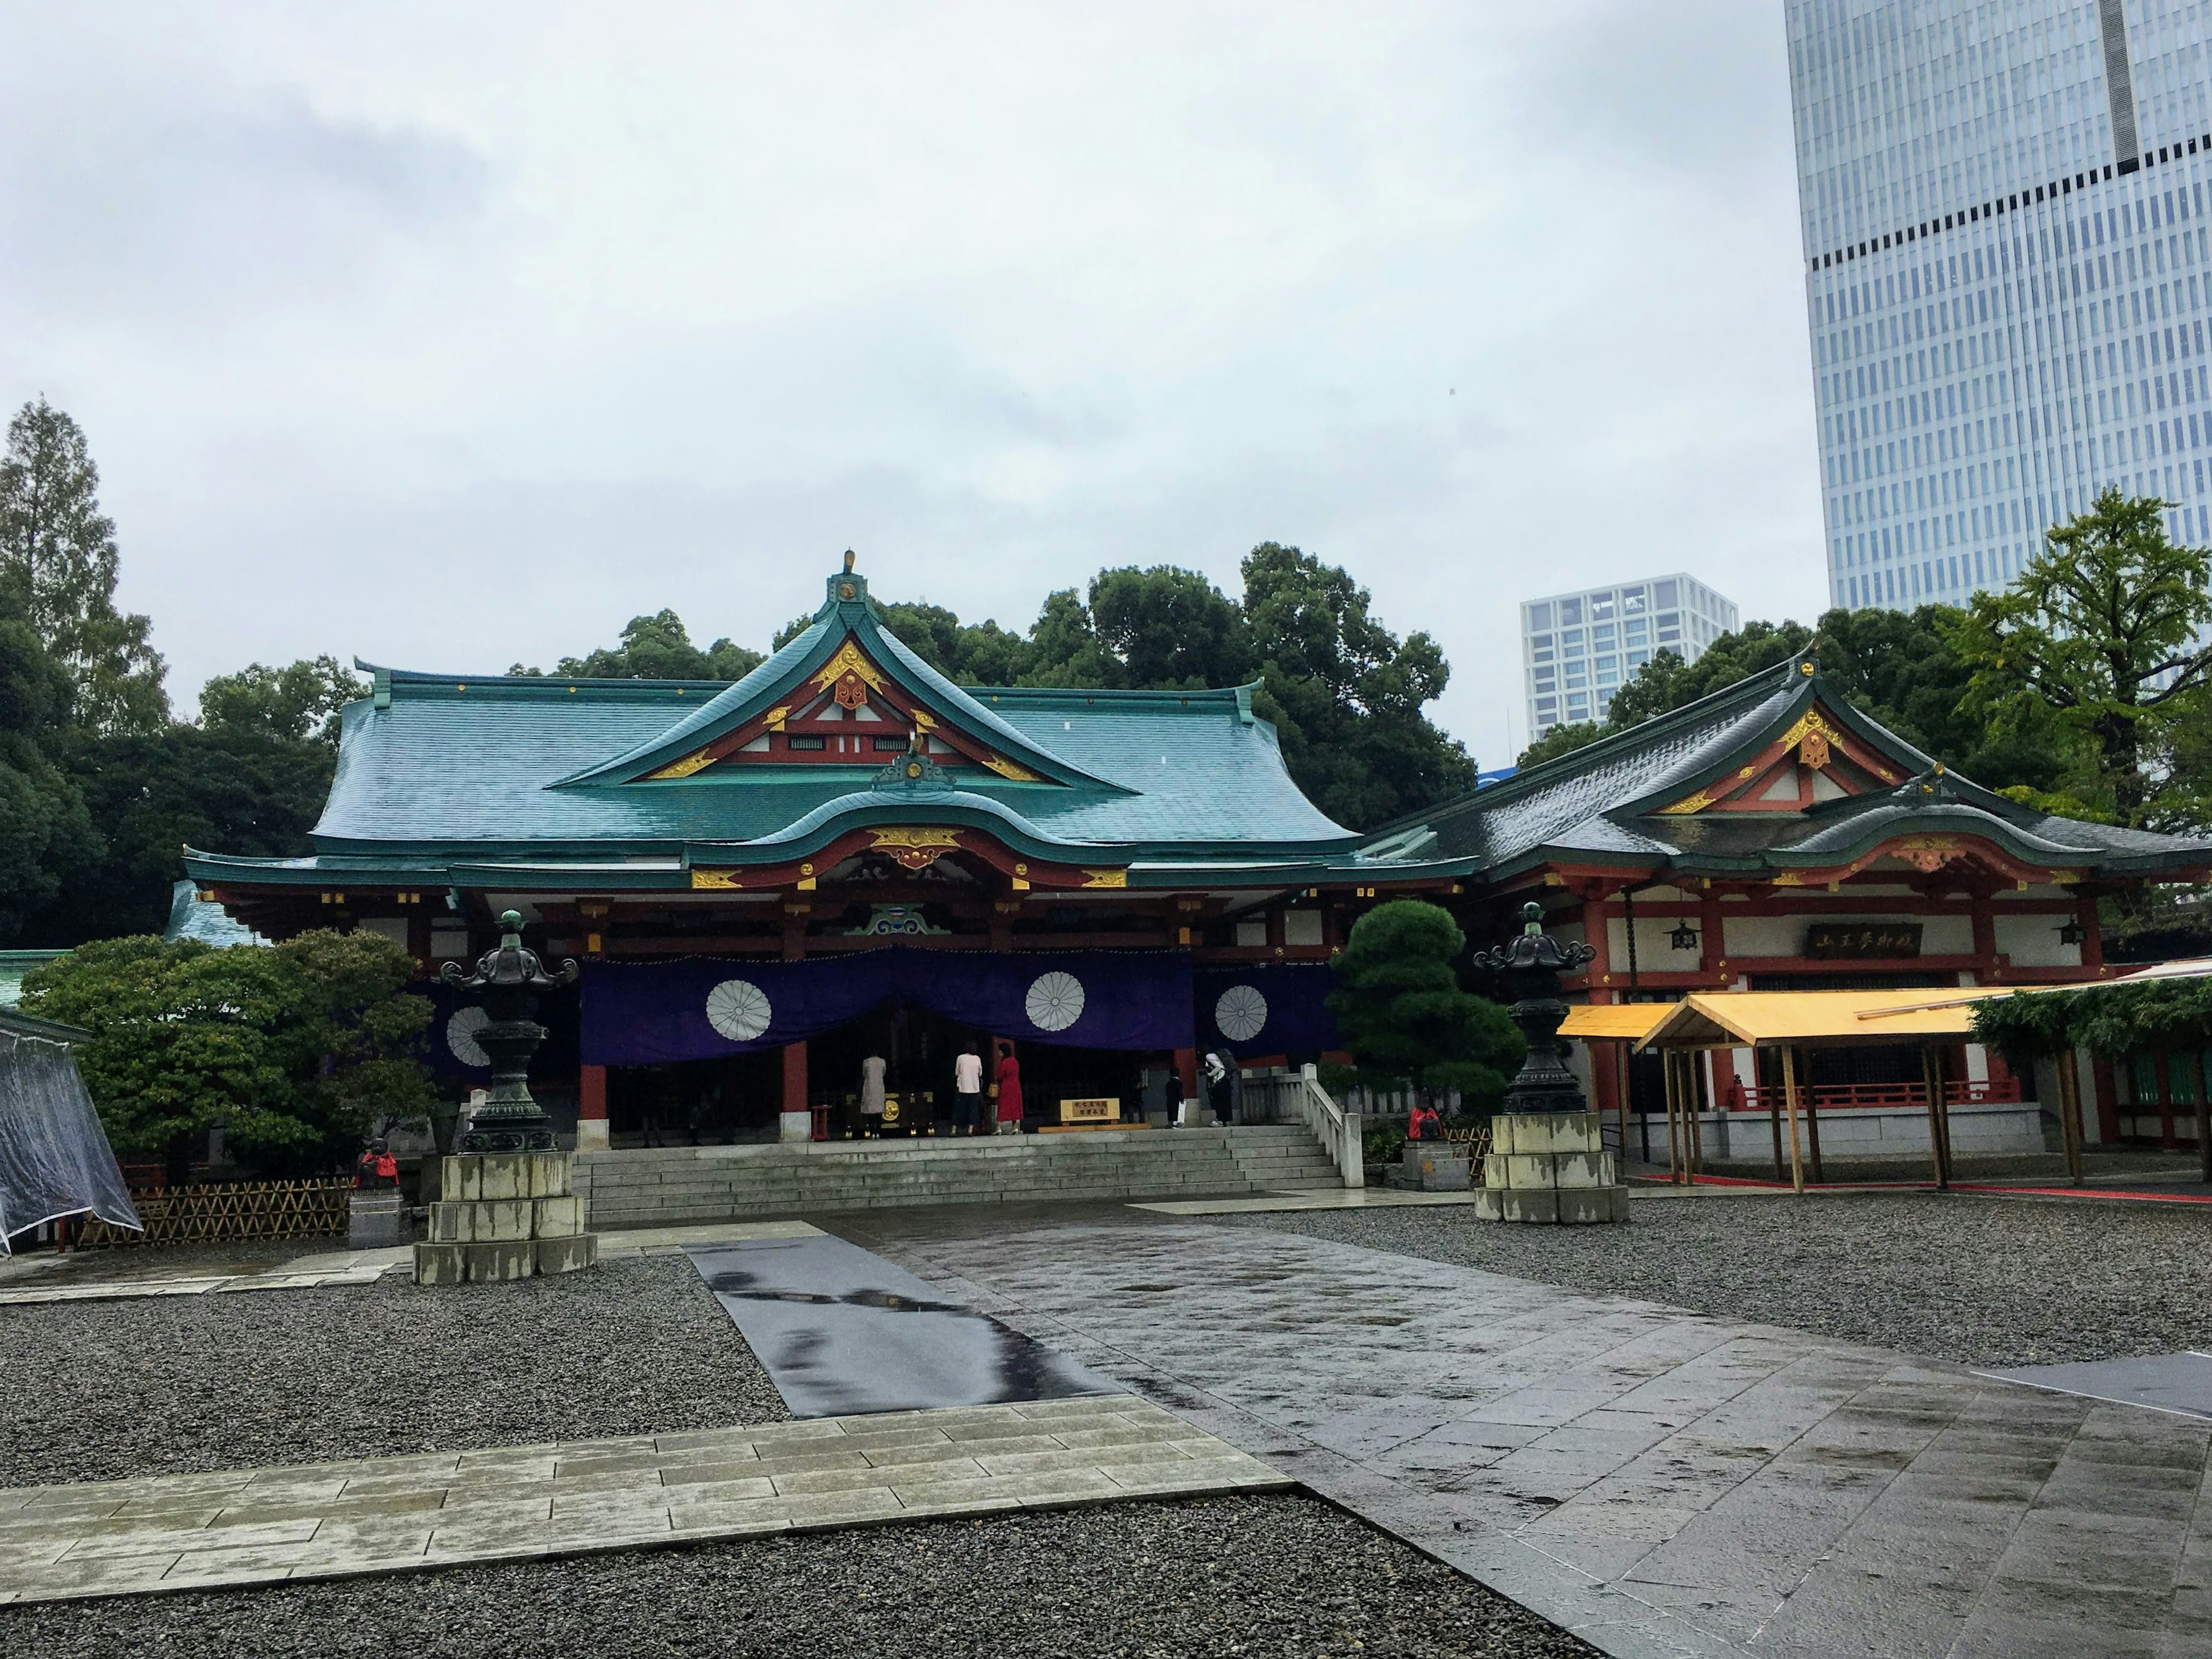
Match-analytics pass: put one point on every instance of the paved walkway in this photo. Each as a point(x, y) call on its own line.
point(398, 1514)
point(1659, 1482)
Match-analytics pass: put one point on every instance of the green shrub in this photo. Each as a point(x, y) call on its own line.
point(294, 1049)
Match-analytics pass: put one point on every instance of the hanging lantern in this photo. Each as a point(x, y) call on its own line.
point(2073, 933)
point(1684, 937)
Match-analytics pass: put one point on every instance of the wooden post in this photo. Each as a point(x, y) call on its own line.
point(1812, 1127)
point(2168, 1139)
point(1623, 1116)
point(1774, 1121)
point(2070, 1112)
point(1674, 1131)
point(1929, 1092)
point(1692, 1071)
point(1789, 1100)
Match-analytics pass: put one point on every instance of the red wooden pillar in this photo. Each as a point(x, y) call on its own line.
point(2166, 1135)
point(797, 1123)
point(2108, 1100)
point(2093, 936)
point(1712, 937)
point(591, 1109)
point(1985, 940)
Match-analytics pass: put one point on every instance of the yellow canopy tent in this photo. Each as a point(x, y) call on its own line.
point(1791, 1020)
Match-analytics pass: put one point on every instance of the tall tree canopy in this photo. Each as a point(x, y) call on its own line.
point(2101, 637)
point(1347, 694)
point(57, 552)
point(295, 704)
point(657, 648)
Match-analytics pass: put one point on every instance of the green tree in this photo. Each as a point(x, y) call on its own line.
point(293, 1048)
point(233, 789)
point(47, 839)
point(1403, 1016)
point(57, 552)
point(657, 648)
point(2100, 636)
point(1346, 693)
point(294, 703)
point(1562, 740)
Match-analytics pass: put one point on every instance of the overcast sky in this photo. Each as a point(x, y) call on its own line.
point(455, 335)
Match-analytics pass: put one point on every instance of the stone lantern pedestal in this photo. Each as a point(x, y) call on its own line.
point(505, 1215)
point(507, 1205)
point(1548, 1162)
point(1550, 1168)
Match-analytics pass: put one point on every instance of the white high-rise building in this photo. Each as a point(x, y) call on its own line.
point(2004, 210)
point(1578, 649)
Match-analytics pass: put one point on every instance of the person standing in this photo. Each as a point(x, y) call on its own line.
point(1009, 1091)
point(968, 1090)
point(872, 1095)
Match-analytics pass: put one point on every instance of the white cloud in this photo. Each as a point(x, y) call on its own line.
point(452, 337)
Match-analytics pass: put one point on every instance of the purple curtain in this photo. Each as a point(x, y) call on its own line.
point(1266, 1009)
point(637, 1013)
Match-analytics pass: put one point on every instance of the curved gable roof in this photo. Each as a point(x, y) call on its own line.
point(840, 618)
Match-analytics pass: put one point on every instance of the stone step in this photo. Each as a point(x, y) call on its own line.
point(668, 1185)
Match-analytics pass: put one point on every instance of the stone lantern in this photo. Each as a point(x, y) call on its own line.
point(1547, 1161)
point(506, 1206)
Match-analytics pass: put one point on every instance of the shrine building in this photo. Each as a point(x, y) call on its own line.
point(844, 856)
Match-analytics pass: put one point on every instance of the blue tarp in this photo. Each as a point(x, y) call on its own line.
point(54, 1156)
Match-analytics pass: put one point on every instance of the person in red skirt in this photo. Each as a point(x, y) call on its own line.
point(1009, 1091)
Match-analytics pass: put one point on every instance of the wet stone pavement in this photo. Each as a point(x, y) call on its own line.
point(1656, 1481)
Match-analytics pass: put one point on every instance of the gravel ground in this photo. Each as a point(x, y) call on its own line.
point(165, 1385)
point(1255, 1576)
point(1983, 1281)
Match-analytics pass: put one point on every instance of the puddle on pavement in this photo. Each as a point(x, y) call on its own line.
point(843, 1332)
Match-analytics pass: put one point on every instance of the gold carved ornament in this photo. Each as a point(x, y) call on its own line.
point(698, 760)
point(714, 880)
point(847, 659)
point(914, 849)
point(1106, 878)
point(852, 690)
point(1813, 750)
point(1007, 769)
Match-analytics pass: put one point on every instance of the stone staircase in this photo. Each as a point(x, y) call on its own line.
point(667, 1186)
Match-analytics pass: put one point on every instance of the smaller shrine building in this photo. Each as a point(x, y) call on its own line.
point(844, 856)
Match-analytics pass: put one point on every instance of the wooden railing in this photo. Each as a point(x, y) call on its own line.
point(250, 1209)
point(1845, 1097)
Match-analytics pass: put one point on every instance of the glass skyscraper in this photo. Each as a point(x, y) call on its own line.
point(2003, 205)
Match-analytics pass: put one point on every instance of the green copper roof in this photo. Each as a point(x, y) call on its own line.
point(436, 771)
point(1601, 805)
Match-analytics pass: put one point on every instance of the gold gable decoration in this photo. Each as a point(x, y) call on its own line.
point(698, 760)
point(716, 881)
point(1106, 878)
point(914, 849)
point(847, 659)
point(1009, 770)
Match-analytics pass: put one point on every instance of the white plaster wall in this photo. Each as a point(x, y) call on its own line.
point(2033, 942)
point(1762, 936)
point(1945, 936)
point(1654, 953)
